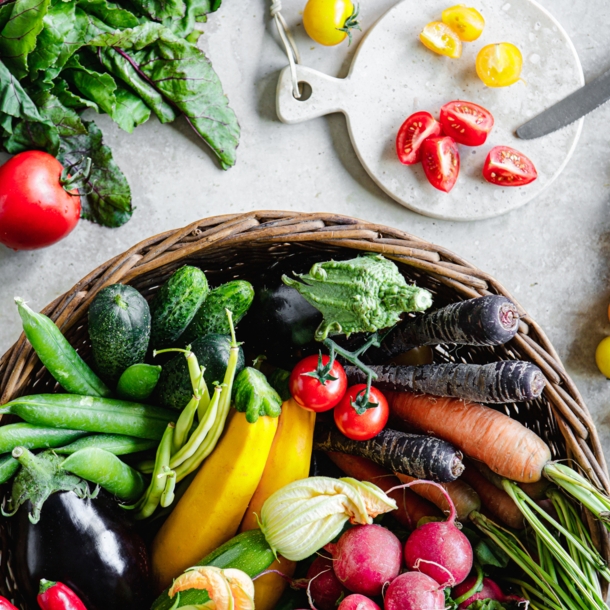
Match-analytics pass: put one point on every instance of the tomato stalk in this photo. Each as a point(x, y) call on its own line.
point(69, 183)
point(351, 23)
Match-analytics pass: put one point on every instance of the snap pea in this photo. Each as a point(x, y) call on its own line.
point(55, 352)
point(138, 381)
point(91, 414)
point(118, 444)
point(8, 467)
point(106, 470)
point(35, 437)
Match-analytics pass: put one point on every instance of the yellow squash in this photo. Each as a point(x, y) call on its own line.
point(213, 506)
point(289, 461)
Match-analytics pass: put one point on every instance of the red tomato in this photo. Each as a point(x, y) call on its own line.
point(35, 210)
point(466, 123)
point(441, 161)
point(508, 167)
point(311, 392)
point(412, 133)
point(370, 423)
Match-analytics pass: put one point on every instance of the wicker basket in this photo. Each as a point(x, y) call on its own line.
point(242, 245)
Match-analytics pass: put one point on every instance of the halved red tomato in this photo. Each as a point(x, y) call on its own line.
point(441, 161)
point(412, 133)
point(466, 123)
point(506, 166)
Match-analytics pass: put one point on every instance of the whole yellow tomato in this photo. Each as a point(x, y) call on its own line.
point(499, 65)
point(602, 356)
point(330, 22)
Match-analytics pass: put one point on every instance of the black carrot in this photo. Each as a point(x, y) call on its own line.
point(423, 457)
point(498, 382)
point(489, 320)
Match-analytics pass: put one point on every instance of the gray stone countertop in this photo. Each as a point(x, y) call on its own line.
point(552, 255)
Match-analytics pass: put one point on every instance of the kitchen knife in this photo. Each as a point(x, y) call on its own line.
point(569, 109)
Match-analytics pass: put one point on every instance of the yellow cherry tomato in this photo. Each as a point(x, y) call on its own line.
point(330, 22)
point(499, 65)
point(602, 357)
point(440, 38)
point(465, 21)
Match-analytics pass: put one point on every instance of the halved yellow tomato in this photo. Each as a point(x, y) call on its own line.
point(465, 21)
point(499, 65)
point(440, 38)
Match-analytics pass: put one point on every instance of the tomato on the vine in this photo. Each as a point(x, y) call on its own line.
point(412, 134)
point(467, 123)
point(330, 22)
point(357, 423)
point(35, 208)
point(315, 386)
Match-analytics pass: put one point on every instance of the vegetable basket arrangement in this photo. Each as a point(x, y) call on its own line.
point(548, 544)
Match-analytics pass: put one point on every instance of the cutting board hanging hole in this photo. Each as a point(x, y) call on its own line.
point(305, 90)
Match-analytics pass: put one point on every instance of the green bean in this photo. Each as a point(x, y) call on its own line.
point(185, 423)
point(106, 470)
point(151, 499)
point(91, 414)
point(58, 356)
point(8, 467)
point(146, 466)
point(167, 497)
point(138, 381)
point(35, 437)
point(115, 443)
point(200, 434)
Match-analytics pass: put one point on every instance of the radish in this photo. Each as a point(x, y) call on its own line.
point(324, 587)
point(414, 591)
point(490, 590)
point(439, 549)
point(365, 558)
point(358, 602)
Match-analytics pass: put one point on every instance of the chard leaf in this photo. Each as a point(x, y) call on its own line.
point(108, 12)
point(6, 123)
point(196, 12)
point(70, 99)
point(5, 13)
point(158, 10)
point(58, 23)
point(130, 111)
point(118, 63)
point(66, 121)
point(184, 76)
point(14, 101)
point(109, 200)
point(18, 36)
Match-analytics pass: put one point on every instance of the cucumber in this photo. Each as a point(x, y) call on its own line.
point(175, 305)
point(212, 316)
point(138, 382)
point(174, 389)
point(248, 552)
point(119, 328)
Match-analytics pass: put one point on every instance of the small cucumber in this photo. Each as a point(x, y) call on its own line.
point(212, 317)
point(174, 389)
point(114, 443)
point(138, 381)
point(175, 305)
point(119, 328)
point(248, 551)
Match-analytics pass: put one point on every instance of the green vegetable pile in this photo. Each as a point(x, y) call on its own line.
point(128, 60)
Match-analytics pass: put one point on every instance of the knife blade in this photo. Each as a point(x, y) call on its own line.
point(570, 109)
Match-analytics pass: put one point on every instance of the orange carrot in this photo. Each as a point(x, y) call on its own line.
point(497, 501)
point(411, 507)
point(536, 491)
point(463, 496)
point(505, 445)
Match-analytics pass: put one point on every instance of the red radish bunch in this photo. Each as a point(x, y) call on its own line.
point(414, 591)
point(366, 558)
point(490, 590)
point(358, 602)
point(325, 590)
point(422, 138)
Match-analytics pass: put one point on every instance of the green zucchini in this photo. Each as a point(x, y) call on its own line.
point(248, 552)
point(175, 305)
point(212, 316)
point(138, 381)
point(174, 389)
point(119, 328)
